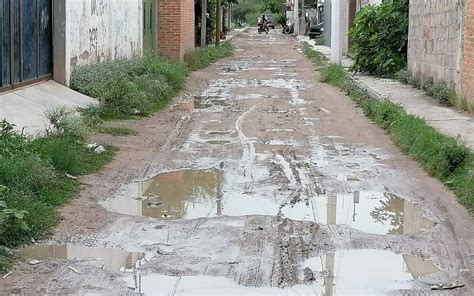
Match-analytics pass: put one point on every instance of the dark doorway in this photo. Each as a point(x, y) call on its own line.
point(25, 42)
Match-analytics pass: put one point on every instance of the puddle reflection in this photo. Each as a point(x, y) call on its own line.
point(370, 212)
point(352, 272)
point(364, 272)
point(112, 259)
point(185, 194)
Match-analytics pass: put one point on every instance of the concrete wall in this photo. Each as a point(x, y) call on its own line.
point(434, 40)
point(93, 31)
point(175, 27)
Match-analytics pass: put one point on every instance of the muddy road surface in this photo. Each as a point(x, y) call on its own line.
point(259, 180)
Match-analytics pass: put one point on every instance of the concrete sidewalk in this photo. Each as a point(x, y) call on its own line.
point(449, 121)
point(25, 107)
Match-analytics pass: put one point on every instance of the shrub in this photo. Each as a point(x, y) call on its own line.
point(380, 38)
point(67, 121)
point(130, 87)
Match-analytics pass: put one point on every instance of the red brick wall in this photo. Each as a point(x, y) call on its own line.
point(175, 27)
point(468, 55)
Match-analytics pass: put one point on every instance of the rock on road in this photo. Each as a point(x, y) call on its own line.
point(259, 180)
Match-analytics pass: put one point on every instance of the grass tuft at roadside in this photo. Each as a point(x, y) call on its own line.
point(443, 157)
point(36, 178)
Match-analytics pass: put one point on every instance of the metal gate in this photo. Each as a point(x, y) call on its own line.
point(25, 42)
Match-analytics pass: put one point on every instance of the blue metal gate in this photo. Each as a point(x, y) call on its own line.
point(25, 42)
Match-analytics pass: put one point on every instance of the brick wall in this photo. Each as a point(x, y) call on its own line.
point(468, 55)
point(175, 27)
point(434, 40)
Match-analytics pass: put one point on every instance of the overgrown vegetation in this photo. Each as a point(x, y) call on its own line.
point(139, 87)
point(127, 88)
point(203, 57)
point(380, 38)
point(443, 157)
point(437, 90)
point(115, 131)
point(38, 176)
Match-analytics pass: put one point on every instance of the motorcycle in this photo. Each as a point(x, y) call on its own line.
point(263, 28)
point(288, 29)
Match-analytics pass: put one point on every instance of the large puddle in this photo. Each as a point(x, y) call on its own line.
point(185, 194)
point(109, 259)
point(191, 194)
point(350, 272)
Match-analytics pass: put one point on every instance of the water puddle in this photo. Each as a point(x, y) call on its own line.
point(354, 272)
point(370, 212)
point(109, 259)
point(367, 272)
point(218, 142)
point(219, 133)
point(185, 194)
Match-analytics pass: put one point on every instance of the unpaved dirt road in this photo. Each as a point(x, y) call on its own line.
point(260, 180)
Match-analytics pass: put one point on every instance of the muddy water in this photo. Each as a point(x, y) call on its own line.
point(185, 194)
point(350, 272)
point(109, 259)
point(191, 194)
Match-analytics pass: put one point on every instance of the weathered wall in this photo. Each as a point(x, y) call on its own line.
point(175, 27)
point(468, 55)
point(434, 40)
point(95, 31)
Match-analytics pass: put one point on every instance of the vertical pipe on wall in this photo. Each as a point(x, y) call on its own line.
point(296, 18)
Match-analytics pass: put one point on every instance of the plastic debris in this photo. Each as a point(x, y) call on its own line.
point(34, 262)
point(99, 150)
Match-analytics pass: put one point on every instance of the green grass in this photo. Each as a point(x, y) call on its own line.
point(202, 57)
point(115, 131)
point(316, 57)
point(443, 157)
point(33, 184)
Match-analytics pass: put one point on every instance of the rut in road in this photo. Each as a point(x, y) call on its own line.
point(269, 182)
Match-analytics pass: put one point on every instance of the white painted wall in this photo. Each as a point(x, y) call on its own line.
point(98, 30)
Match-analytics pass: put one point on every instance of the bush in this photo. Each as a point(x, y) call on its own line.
point(67, 122)
point(380, 38)
point(130, 87)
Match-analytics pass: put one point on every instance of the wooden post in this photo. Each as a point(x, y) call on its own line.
point(218, 22)
point(203, 22)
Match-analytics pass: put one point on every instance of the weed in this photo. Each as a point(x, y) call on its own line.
point(403, 76)
point(443, 157)
point(33, 182)
point(203, 57)
point(320, 41)
point(67, 121)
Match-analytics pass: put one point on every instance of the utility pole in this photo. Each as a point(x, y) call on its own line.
point(336, 35)
point(203, 22)
point(296, 17)
point(218, 22)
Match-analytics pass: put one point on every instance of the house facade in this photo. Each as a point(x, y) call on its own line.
point(441, 45)
point(46, 39)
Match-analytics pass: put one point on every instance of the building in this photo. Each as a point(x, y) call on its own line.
point(44, 39)
point(441, 45)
